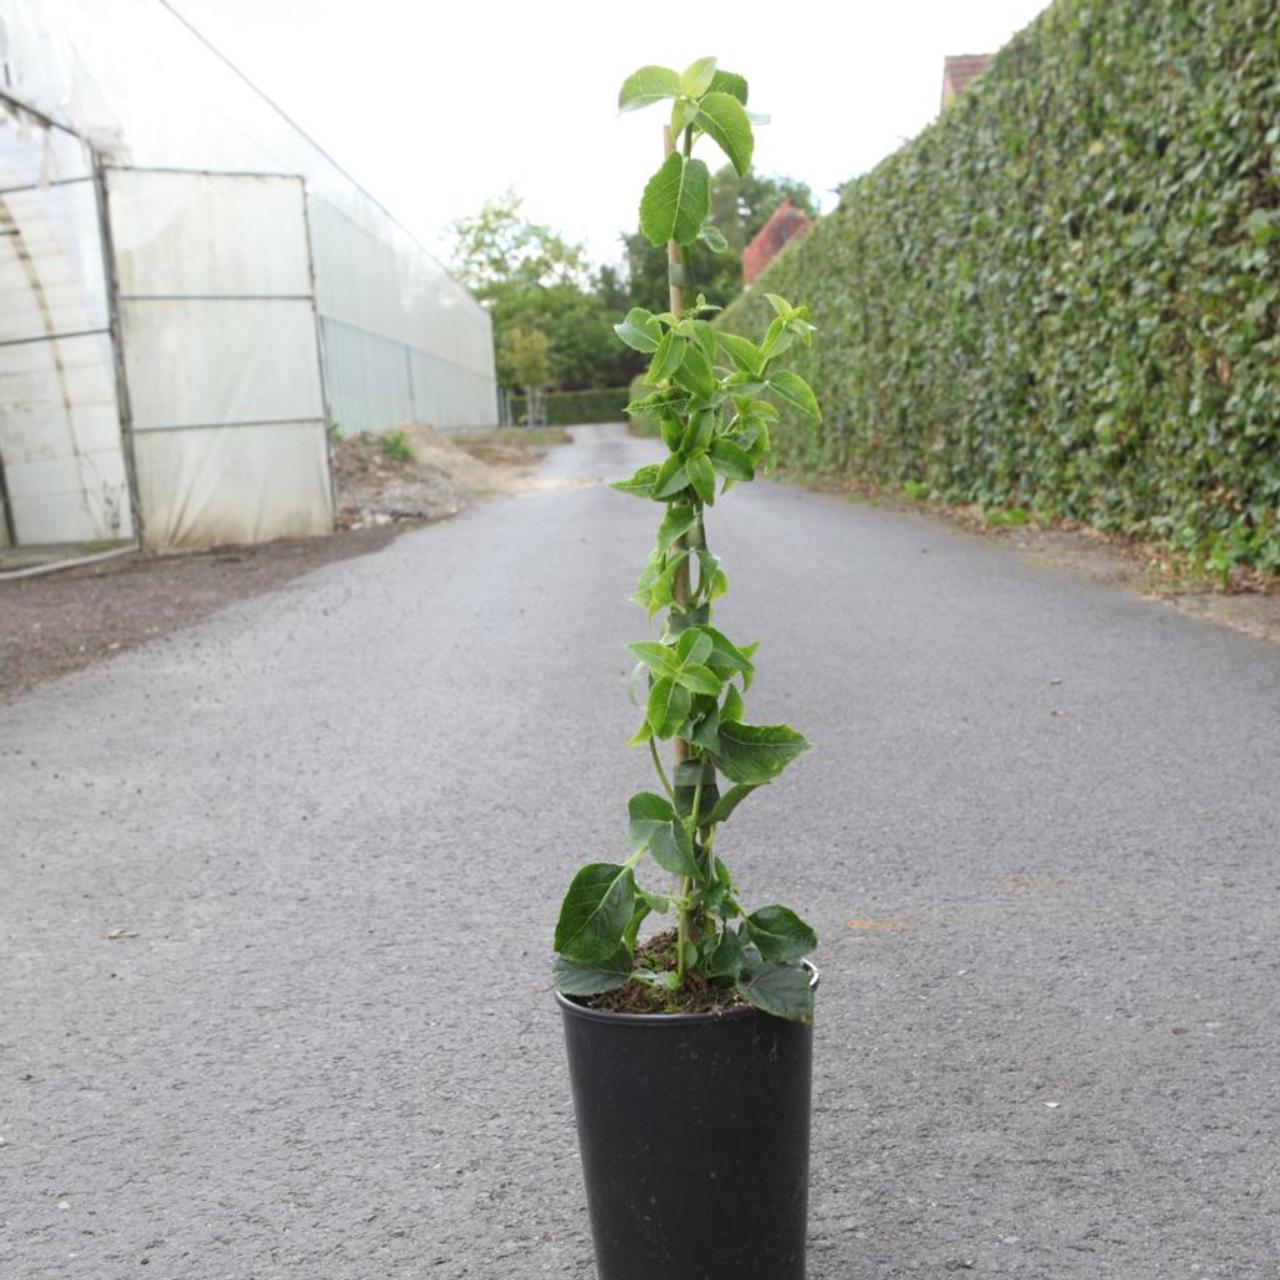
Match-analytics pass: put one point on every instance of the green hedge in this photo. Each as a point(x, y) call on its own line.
point(571, 408)
point(1064, 294)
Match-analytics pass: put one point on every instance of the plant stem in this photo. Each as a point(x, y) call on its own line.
point(680, 587)
point(675, 257)
point(682, 930)
point(662, 773)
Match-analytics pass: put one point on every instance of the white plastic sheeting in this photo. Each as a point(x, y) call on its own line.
point(133, 75)
point(236, 484)
point(218, 330)
point(60, 441)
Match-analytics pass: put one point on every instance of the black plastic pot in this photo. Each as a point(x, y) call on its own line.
point(694, 1132)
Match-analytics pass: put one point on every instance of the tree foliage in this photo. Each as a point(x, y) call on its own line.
point(532, 279)
point(525, 351)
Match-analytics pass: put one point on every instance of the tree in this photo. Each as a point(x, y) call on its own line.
point(532, 278)
point(526, 352)
point(499, 251)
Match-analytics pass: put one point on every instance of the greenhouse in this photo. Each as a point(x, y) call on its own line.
point(191, 293)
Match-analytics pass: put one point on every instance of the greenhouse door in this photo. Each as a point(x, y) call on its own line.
point(63, 478)
point(218, 334)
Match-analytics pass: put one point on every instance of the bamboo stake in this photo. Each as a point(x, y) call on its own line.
point(675, 273)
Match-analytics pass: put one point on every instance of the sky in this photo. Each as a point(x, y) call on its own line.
point(435, 108)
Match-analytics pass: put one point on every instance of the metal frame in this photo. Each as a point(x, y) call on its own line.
point(124, 410)
point(10, 531)
point(320, 358)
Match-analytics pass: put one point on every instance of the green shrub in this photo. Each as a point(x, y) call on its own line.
point(573, 408)
point(1063, 296)
point(395, 444)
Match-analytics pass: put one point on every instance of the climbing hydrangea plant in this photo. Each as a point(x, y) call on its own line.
point(716, 396)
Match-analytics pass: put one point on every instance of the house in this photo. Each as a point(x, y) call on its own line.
point(786, 223)
point(959, 70)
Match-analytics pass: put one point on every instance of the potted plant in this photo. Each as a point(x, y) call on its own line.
point(690, 1052)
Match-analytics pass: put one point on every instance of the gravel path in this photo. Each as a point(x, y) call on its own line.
point(1039, 840)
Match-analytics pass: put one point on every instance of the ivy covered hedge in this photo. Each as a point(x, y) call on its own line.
point(572, 408)
point(1064, 294)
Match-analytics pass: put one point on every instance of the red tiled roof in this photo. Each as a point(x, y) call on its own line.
point(786, 223)
point(959, 69)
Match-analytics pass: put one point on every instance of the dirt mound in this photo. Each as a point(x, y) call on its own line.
point(411, 474)
point(432, 448)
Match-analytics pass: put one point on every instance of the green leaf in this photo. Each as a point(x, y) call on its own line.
point(723, 118)
point(728, 82)
point(639, 914)
point(672, 849)
point(671, 478)
point(668, 707)
point(1261, 226)
point(729, 802)
point(732, 709)
point(693, 646)
point(732, 461)
point(647, 813)
point(655, 826)
point(701, 427)
point(687, 775)
point(657, 902)
point(695, 373)
point(728, 959)
point(742, 384)
point(640, 484)
point(697, 77)
point(781, 306)
point(752, 754)
point(746, 355)
point(666, 359)
point(713, 238)
point(702, 477)
point(680, 518)
point(726, 658)
point(783, 990)
point(777, 339)
point(676, 202)
point(657, 657)
point(699, 679)
point(683, 113)
point(572, 978)
point(706, 337)
point(706, 733)
point(640, 330)
point(663, 591)
point(792, 388)
point(648, 85)
point(780, 934)
point(596, 910)
point(719, 895)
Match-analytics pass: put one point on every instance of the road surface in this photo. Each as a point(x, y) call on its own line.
point(1039, 838)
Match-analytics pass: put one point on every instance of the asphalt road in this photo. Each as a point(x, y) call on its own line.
point(339, 819)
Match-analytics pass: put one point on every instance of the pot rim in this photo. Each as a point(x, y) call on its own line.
point(569, 1005)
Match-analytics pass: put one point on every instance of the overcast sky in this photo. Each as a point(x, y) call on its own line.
point(436, 107)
